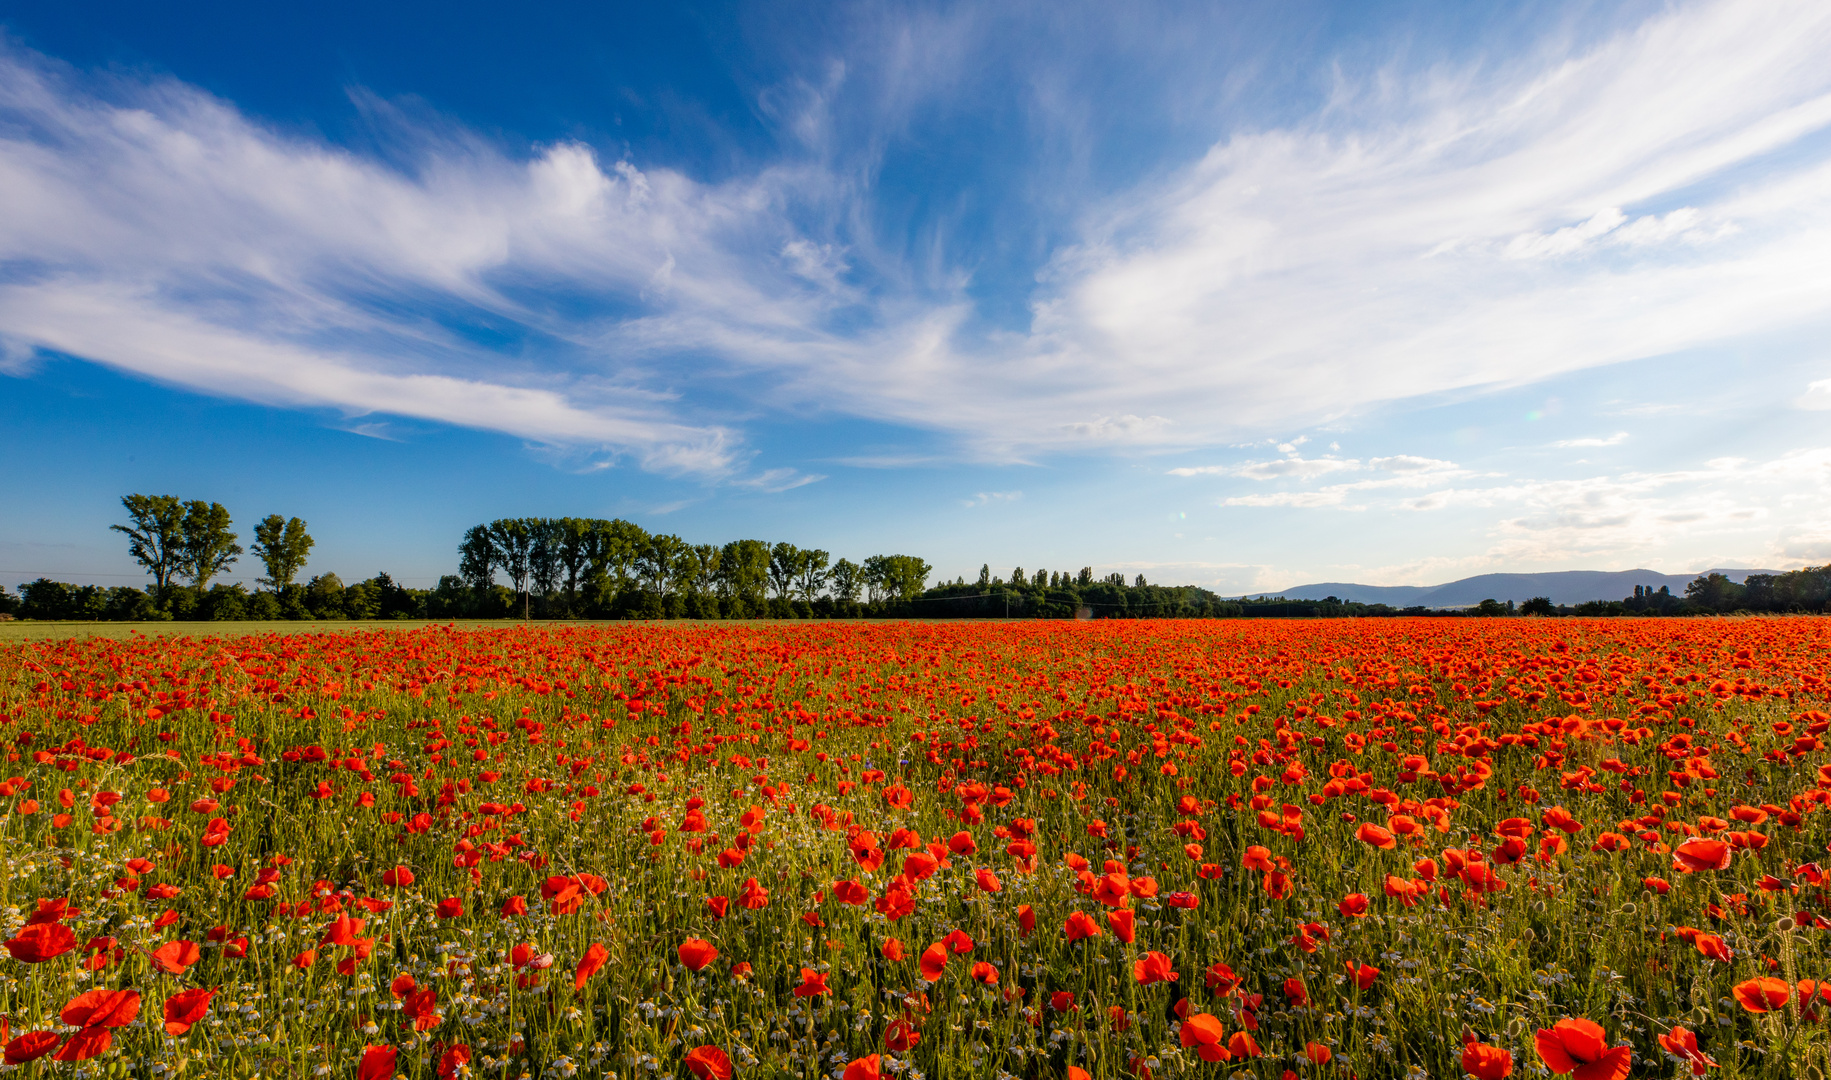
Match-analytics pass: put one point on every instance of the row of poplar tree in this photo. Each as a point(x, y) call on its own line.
point(570, 567)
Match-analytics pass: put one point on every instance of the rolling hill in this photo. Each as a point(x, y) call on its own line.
point(1563, 587)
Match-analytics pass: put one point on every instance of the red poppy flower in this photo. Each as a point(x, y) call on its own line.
point(813, 984)
point(589, 964)
point(1296, 993)
point(752, 896)
point(186, 1008)
point(850, 892)
point(893, 950)
point(102, 1008)
point(1369, 833)
point(1204, 1034)
point(696, 954)
point(1220, 979)
point(865, 1068)
point(453, 1059)
point(513, 906)
point(1124, 924)
point(85, 1044)
point(901, 1036)
point(31, 1046)
point(398, 878)
point(1697, 853)
point(377, 1064)
point(934, 961)
point(38, 942)
point(1081, 925)
point(1682, 1043)
point(1713, 946)
point(709, 1063)
point(450, 908)
point(1353, 906)
point(1363, 974)
point(1486, 1062)
point(1580, 1047)
point(1026, 920)
point(1762, 994)
point(987, 880)
point(985, 973)
point(1154, 967)
point(174, 957)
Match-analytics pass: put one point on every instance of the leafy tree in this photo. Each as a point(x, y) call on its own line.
point(1041, 580)
point(656, 562)
point(477, 559)
point(985, 575)
point(784, 567)
point(1715, 592)
point(706, 558)
point(1019, 578)
point(209, 546)
point(324, 596)
point(812, 574)
point(743, 569)
point(1538, 605)
point(901, 577)
point(1140, 583)
point(544, 563)
point(514, 542)
point(620, 543)
point(281, 545)
point(1085, 578)
point(847, 579)
point(155, 535)
point(577, 542)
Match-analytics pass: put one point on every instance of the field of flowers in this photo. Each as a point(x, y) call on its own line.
point(1373, 848)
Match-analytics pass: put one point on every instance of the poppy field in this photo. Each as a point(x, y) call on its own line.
point(1359, 848)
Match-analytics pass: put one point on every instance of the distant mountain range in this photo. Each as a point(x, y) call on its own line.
point(1563, 587)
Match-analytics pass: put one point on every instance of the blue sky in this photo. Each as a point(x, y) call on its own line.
point(1240, 295)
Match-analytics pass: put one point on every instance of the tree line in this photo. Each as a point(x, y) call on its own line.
point(1807, 590)
point(590, 568)
point(559, 568)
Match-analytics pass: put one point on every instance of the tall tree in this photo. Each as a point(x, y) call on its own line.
point(811, 575)
point(656, 563)
point(848, 578)
point(281, 545)
point(209, 546)
point(743, 570)
point(477, 559)
point(876, 576)
point(578, 543)
point(619, 544)
point(706, 559)
point(514, 542)
point(544, 561)
point(784, 567)
point(903, 576)
point(155, 535)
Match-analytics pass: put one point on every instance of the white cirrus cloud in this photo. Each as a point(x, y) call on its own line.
point(1580, 204)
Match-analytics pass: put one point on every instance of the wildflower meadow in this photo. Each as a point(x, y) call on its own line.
point(1399, 848)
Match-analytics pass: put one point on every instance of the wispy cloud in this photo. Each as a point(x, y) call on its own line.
point(992, 498)
point(1616, 439)
point(775, 481)
point(1429, 230)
